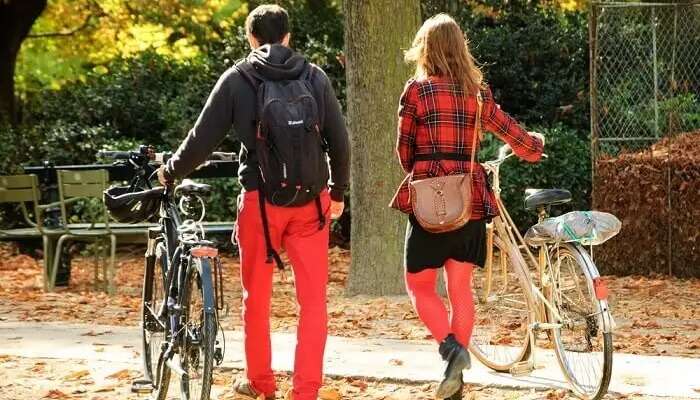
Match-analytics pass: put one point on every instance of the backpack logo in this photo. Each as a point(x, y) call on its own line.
point(295, 123)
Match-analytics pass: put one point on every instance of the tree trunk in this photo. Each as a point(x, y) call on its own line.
point(376, 33)
point(16, 20)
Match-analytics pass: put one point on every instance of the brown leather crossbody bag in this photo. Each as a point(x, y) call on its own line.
point(444, 203)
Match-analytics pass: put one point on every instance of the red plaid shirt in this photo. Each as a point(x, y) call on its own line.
point(439, 106)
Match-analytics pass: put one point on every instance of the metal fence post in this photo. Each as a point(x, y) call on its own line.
point(656, 72)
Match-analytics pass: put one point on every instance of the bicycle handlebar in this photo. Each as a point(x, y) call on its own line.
point(116, 155)
point(147, 154)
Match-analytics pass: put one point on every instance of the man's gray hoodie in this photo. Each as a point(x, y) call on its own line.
point(232, 103)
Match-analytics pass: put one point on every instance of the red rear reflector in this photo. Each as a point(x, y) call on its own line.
point(204, 251)
point(600, 288)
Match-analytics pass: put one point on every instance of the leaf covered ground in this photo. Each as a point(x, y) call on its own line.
point(33, 378)
point(654, 315)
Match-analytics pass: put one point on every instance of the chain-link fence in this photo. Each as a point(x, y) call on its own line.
point(645, 97)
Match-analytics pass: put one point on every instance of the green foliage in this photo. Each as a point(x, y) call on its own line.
point(535, 60)
point(568, 166)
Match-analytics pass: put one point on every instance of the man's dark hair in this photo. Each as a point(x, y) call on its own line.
point(268, 23)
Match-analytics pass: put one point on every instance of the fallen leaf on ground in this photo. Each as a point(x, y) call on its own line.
point(329, 394)
point(55, 394)
point(121, 375)
point(107, 388)
point(74, 376)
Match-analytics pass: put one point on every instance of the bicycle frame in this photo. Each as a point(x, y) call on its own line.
point(542, 313)
point(505, 229)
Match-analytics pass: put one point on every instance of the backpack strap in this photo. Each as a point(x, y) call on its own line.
point(272, 254)
point(321, 217)
point(247, 71)
point(309, 72)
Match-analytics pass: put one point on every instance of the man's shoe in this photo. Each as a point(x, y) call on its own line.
point(244, 390)
point(457, 358)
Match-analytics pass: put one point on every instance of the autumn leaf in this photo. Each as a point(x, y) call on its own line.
point(121, 375)
point(76, 375)
point(55, 394)
point(329, 394)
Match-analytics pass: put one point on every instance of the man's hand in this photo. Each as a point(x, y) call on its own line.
point(161, 176)
point(337, 208)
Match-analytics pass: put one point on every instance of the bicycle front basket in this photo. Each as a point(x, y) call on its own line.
point(585, 227)
point(130, 204)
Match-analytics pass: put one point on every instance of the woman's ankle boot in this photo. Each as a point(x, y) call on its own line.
point(458, 394)
point(457, 359)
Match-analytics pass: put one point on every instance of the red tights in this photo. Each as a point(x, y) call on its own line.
point(421, 288)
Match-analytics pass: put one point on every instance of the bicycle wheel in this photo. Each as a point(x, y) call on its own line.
point(500, 336)
point(583, 349)
point(155, 332)
point(199, 332)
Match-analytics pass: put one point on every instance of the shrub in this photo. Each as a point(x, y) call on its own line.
point(535, 57)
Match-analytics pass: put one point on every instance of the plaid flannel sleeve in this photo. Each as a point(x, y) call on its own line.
point(408, 117)
point(506, 128)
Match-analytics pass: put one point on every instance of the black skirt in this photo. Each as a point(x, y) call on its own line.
point(424, 250)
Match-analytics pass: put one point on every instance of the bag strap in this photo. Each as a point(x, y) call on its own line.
point(477, 127)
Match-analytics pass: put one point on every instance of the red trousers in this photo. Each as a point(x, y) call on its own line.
point(296, 229)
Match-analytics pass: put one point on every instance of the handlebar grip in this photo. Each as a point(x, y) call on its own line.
point(222, 156)
point(116, 155)
point(504, 151)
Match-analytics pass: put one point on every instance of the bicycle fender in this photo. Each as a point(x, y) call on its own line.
point(593, 275)
point(204, 270)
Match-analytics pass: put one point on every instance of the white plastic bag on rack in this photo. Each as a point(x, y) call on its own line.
point(585, 227)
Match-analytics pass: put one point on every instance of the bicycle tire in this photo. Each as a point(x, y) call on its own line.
point(152, 298)
point(493, 344)
point(197, 285)
point(593, 318)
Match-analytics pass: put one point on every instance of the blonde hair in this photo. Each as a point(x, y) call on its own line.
point(440, 48)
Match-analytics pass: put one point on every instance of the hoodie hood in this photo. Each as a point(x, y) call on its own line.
point(277, 62)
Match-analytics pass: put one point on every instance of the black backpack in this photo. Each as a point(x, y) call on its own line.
point(291, 152)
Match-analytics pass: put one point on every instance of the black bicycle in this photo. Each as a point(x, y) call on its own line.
point(182, 286)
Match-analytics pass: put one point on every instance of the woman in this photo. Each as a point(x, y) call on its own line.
point(440, 101)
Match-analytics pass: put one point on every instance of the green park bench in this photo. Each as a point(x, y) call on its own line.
point(73, 185)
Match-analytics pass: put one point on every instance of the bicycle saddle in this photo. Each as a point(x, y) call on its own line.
point(535, 198)
point(189, 186)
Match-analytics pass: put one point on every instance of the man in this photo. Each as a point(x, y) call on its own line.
point(233, 102)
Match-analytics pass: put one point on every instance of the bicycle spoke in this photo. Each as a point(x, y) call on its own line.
point(580, 343)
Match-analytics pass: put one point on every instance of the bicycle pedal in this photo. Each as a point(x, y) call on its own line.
point(218, 355)
point(141, 386)
point(521, 368)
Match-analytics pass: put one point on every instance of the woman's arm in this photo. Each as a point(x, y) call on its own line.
point(408, 117)
point(506, 128)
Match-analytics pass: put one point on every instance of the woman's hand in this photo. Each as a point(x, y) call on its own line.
point(337, 208)
point(538, 136)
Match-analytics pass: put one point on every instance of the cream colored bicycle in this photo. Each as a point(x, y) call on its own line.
point(551, 293)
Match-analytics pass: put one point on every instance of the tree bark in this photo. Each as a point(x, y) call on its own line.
point(376, 33)
point(16, 20)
